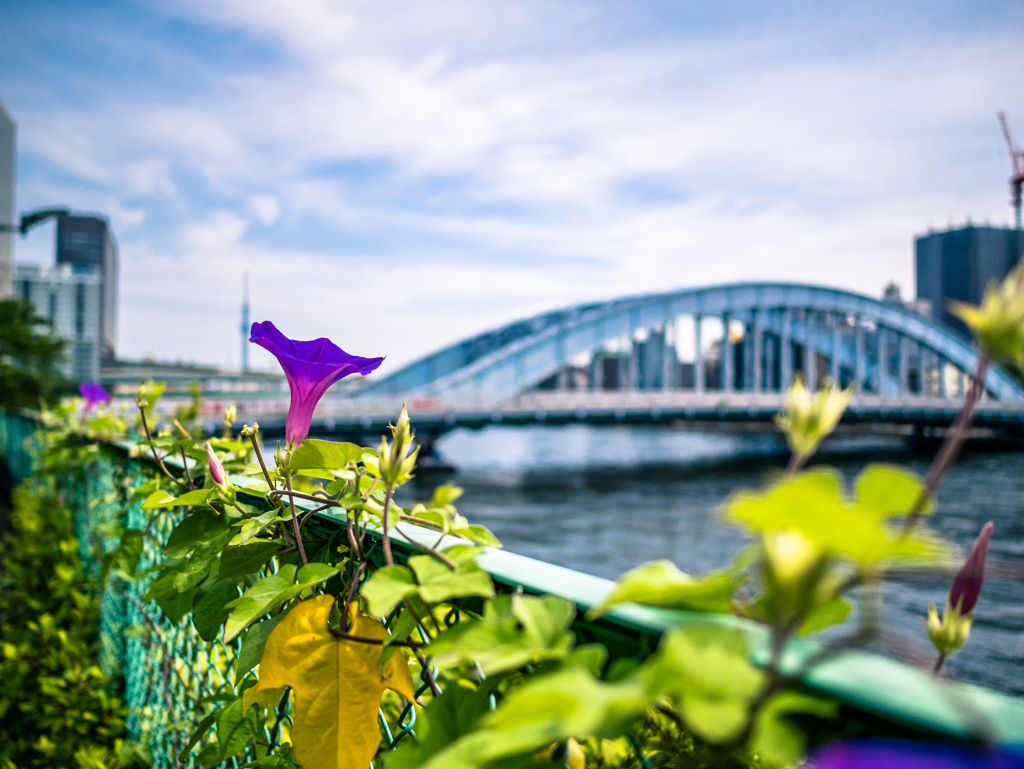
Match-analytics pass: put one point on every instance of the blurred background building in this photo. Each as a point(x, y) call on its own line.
point(7, 130)
point(958, 264)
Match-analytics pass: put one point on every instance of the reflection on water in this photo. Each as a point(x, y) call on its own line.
point(602, 500)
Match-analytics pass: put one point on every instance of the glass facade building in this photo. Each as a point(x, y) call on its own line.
point(959, 264)
point(86, 245)
point(71, 300)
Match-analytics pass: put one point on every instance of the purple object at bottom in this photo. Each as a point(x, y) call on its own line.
point(911, 754)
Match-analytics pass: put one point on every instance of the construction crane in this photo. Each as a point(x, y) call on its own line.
point(1017, 164)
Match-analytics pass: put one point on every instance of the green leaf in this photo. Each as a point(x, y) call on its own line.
point(830, 613)
point(268, 592)
point(253, 641)
point(544, 710)
point(889, 489)
point(254, 490)
point(437, 583)
point(161, 498)
point(706, 670)
point(124, 559)
point(315, 454)
point(386, 588)
point(253, 526)
point(814, 505)
point(661, 584)
point(247, 559)
point(236, 729)
point(201, 526)
point(174, 603)
point(258, 600)
point(776, 740)
point(197, 734)
point(443, 721)
point(208, 607)
point(513, 631)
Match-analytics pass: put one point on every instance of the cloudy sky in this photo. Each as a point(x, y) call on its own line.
point(399, 174)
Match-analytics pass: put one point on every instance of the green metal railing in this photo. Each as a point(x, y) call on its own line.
point(167, 669)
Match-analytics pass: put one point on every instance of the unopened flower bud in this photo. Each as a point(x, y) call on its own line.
point(230, 415)
point(808, 419)
point(217, 474)
point(968, 581)
point(397, 459)
point(954, 628)
point(998, 324)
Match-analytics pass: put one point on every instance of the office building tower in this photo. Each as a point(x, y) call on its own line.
point(70, 299)
point(7, 134)
point(86, 244)
point(959, 264)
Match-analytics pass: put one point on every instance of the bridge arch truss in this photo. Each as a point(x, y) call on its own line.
point(751, 337)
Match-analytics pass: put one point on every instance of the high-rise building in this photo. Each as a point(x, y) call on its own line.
point(86, 244)
point(959, 264)
point(70, 299)
point(7, 133)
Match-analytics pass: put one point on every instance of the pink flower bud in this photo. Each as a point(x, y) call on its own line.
point(216, 468)
point(963, 596)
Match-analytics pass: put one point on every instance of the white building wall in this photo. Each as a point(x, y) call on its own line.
point(70, 300)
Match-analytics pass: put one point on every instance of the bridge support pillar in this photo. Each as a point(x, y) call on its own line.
point(786, 351)
point(858, 355)
point(668, 357)
point(940, 371)
point(922, 371)
point(698, 357)
point(597, 371)
point(904, 349)
point(882, 369)
point(837, 346)
point(728, 355)
point(758, 351)
point(633, 376)
point(810, 374)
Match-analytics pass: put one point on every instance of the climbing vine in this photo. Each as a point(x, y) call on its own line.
point(369, 632)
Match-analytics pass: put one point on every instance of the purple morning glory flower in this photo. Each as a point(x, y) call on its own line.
point(963, 596)
point(93, 393)
point(910, 754)
point(310, 367)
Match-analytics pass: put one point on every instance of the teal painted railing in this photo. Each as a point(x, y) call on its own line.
point(167, 668)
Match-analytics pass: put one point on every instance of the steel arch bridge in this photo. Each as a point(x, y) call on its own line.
point(766, 332)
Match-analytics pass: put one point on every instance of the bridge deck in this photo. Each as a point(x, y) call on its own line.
point(431, 416)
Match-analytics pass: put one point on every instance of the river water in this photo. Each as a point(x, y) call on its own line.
point(603, 500)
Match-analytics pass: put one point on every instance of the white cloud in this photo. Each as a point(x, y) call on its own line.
point(438, 168)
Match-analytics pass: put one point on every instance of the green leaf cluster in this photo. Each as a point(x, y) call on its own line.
point(57, 707)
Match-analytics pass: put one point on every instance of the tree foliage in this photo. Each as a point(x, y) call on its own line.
point(57, 708)
point(29, 357)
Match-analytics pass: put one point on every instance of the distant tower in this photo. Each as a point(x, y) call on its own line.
point(245, 323)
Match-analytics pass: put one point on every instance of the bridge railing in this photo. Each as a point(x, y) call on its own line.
point(168, 669)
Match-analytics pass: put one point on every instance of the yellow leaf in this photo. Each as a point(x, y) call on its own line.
point(337, 684)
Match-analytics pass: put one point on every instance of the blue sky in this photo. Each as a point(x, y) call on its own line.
point(397, 175)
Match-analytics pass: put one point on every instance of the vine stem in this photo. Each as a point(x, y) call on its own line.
point(796, 461)
point(259, 457)
point(387, 535)
point(938, 664)
point(184, 463)
point(352, 592)
point(295, 524)
point(373, 641)
point(950, 446)
point(152, 448)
